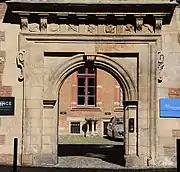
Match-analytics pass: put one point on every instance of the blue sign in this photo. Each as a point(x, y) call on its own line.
point(169, 107)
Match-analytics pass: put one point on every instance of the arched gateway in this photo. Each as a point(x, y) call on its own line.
point(122, 39)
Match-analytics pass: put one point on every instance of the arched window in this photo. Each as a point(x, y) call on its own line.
point(86, 86)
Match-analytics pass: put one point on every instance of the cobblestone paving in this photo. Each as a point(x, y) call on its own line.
point(85, 162)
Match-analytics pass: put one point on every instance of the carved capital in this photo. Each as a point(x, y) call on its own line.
point(24, 23)
point(20, 64)
point(139, 24)
point(158, 24)
point(43, 23)
point(160, 66)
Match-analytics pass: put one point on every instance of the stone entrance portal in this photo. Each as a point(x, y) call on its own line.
point(55, 42)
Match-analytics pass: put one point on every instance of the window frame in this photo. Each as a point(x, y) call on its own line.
point(86, 76)
point(70, 127)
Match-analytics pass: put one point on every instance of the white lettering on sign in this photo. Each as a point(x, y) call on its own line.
point(5, 103)
point(172, 107)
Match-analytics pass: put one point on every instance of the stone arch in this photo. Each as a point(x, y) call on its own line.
point(62, 71)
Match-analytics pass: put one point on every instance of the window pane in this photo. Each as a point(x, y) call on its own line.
point(81, 90)
point(81, 70)
point(91, 70)
point(91, 100)
point(91, 91)
point(81, 81)
point(81, 100)
point(75, 127)
point(91, 81)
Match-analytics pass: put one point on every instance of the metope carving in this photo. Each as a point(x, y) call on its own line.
point(53, 27)
point(72, 27)
point(20, 64)
point(160, 66)
point(91, 28)
point(129, 28)
point(110, 28)
point(34, 27)
point(146, 28)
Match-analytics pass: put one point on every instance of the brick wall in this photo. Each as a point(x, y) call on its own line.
point(107, 97)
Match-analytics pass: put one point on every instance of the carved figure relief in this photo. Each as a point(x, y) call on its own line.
point(139, 24)
point(129, 28)
point(91, 28)
point(158, 24)
point(20, 64)
point(53, 27)
point(43, 24)
point(146, 28)
point(110, 29)
point(72, 27)
point(34, 27)
point(160, 66)
point(24, 23)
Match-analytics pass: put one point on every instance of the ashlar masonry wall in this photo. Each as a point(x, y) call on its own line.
point(10, 126)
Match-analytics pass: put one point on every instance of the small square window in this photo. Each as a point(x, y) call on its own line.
point(75, 128)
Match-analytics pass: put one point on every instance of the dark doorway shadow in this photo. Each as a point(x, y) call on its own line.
point(106, 152)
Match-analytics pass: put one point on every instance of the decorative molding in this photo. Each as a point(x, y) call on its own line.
point(49, 103)
point(89, 58)
point(139, 24)
point(158, 24)
point(110, 28)
point(53, 27)
point(129, 28)
point(72, 27)
point(160, 66)
point(34, 27)
point(146, 28)
point(91, 28)
point(43, 24)
point(24, 23)
point(20, 64)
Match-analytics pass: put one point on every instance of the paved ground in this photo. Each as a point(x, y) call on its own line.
point(4, 168)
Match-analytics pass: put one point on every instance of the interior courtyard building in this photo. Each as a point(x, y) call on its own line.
point(67, 63)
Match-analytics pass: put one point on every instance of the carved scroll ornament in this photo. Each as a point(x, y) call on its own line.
point(160, 66)
point(20, 64)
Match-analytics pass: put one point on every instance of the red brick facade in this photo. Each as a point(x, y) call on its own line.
point(107, 102)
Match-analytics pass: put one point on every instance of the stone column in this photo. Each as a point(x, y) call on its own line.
point(92, 123)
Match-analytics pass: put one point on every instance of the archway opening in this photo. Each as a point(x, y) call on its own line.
point(91, 117)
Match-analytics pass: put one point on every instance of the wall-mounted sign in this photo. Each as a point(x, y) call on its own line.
point(6, 106)
point(169, 107)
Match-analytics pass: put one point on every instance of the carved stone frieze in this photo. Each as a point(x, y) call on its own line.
point(146, 28)
point(20, 64)
point(129, 28)
point(43, 24)
point(89, 58)
point(160, 66)
point(24, 23)
point(158, 24)
point(72, 27)
point(34, 27)
point(110, 28)
point(91, 28)
point(139, 24)
point(53, 27)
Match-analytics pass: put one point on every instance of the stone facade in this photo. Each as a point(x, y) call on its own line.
point(137, 44)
